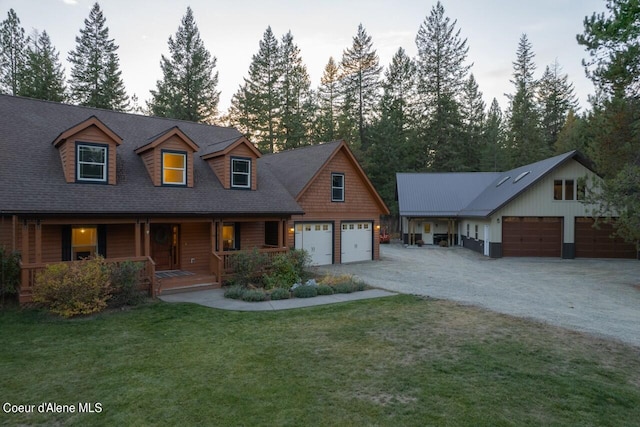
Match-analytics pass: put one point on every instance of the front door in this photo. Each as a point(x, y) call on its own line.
point(164, 246)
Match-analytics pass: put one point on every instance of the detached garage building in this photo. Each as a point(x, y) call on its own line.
point(534, 210)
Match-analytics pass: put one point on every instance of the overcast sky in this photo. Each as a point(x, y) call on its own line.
point(231, 31)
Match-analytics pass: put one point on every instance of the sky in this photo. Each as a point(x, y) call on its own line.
point(231, 31)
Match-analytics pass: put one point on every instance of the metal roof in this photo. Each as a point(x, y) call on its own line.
point(471, 194)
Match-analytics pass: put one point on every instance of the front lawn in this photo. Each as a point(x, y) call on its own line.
point(393, 361)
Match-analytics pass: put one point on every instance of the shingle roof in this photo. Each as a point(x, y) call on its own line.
point(295, 168)
point(32, 180)
point(474, 194)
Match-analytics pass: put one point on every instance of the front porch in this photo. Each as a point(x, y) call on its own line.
point(197, 250)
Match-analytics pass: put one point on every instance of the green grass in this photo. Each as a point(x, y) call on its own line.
point(392, 361)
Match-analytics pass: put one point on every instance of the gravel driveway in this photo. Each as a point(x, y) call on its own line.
point(598, 296)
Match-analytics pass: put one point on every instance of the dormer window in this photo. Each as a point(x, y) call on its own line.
point(240, 173)
point(174, 168)
point(91, 161)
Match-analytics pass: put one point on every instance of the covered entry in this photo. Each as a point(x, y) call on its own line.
point(165, 246)
point(532, 236)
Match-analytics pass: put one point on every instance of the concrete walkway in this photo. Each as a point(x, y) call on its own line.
point(215, 298)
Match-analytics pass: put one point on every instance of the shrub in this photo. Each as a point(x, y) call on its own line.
point(248, 267)
point(283, 272)
point(305, 291)
point(9, 272)
point(125, 284)
point(234, 292)
point(343, 288)
point(280, 293)
point(253, 295)
point(334, 280)
point(325, 290)
point(300, 260)
point(81, 287)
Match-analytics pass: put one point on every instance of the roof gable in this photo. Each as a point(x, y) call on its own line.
point(91, 121)
point(157, 140)
point(298, 169)
point(225, 148)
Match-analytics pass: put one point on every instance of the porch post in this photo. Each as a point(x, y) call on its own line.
point(220, 240)
point(137, 238)
point(281, 229)
point(38, 242)
point(14, 231)
point(147, 239)
point(25, 242)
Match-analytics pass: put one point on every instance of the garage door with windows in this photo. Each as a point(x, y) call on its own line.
point(600, 241)
point(532, 236)
point(356, 241)
point(317, 240)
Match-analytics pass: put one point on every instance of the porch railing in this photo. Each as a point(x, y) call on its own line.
point(225, 256)
point(28, 273)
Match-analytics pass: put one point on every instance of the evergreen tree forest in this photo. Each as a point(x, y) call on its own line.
point(414, 114)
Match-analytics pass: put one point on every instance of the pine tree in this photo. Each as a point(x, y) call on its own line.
point(573, 135)
point(360, 86)
point(524, 140)
point(96, 79)
point(297, 100)
point(13, 54)
point(187, 90)
point(492, 153)
point(473, 120)
point(556, 98)
point(441, 76)
point(256, 105)
point(43, 76)
point(392, 147)
point(326, 126)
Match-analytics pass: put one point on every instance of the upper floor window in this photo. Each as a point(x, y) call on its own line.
point(241, 173)
point(91, 162)
point(337, 187)
point(174, 168)
point(568, 189)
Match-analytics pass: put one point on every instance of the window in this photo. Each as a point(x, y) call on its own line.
point(84, 242)
point(569, 189)
point(557, 189)
point(467, 231)
point(522, 175)
point(337, 187)
point(229, 241)
point(427, 228)
point(241, 173)
point(502, 181)
point(91, 163)
point(174, 168)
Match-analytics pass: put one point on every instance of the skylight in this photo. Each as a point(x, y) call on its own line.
point(522, 175)
point(502, 181)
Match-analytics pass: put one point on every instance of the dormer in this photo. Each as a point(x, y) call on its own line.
point(88, 152)
point(235, 164)
point(168, 158)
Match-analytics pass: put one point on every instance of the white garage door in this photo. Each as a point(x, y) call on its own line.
point(356, 241)
point(316, 239)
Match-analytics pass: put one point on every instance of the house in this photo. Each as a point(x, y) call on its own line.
point(533, 210)
point(343, 229)
point(179, 196)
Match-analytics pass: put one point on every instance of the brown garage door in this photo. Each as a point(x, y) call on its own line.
point(597, 242)
point(532, 236)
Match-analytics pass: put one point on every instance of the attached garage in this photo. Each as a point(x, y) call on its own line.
point(317, 240)
point(592, 242)
point(356, 241)
point(532, 236)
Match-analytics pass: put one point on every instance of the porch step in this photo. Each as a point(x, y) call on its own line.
point(189, 288)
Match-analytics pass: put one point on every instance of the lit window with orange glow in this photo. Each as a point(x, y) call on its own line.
point(84, 242)
point(174, 168)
